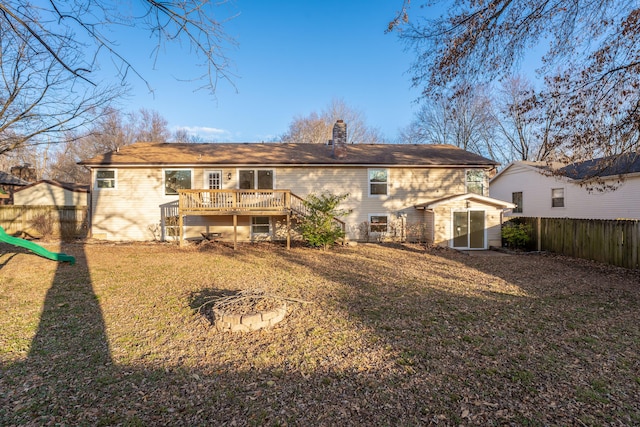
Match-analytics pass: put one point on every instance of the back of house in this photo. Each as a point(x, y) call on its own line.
point(253, 191)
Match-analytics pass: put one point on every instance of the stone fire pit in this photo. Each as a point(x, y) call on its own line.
point(246, 311)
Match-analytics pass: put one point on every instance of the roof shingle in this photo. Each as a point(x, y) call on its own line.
point(603, 167)
point(287, 154)
point(8, 179)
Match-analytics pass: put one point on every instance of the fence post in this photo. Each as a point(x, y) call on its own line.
point(539, 233)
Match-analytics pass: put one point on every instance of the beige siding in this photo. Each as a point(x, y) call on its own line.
point(131, 211)
point(45, 194)
point(407, 188)
point(132, 208)
point(443, 215)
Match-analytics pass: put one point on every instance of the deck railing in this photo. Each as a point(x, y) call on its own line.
point(243, 201)
point(234, 200)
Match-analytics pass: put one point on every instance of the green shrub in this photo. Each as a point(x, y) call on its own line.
point(318, 227)
point(516, 235)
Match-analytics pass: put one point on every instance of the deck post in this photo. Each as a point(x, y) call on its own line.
point(288, 230)
point(180, 233)
point(235, 232)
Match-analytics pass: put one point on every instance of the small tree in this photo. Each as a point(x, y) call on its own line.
point(517, 235)
point(318, 227)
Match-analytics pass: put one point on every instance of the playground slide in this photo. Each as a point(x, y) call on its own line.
point(37, 249)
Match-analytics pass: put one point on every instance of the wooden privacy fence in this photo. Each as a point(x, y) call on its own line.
point(615, 242)
point(64, 221)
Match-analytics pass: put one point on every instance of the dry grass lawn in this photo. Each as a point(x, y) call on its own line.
point(392, 335)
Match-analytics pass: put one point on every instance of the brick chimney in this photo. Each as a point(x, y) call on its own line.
point(25, 172)
point(340, 140)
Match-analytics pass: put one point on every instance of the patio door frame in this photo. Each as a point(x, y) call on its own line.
point(255, 185)
point(474, 227)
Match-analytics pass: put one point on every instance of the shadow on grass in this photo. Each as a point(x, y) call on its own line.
point(69, 352)
point(7, 252)
point(449, 358)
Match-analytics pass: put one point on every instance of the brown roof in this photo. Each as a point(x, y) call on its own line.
point(79, 188)
point(144, 153)
point(8, 179)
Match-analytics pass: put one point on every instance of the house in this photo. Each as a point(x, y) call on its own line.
point(537, 193)
point(52, 193)
point(8, 185)
point(254, 191)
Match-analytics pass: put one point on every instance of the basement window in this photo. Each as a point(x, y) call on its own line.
point(260, 225)
point(378, 223)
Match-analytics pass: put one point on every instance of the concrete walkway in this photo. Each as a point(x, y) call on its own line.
point(488, 252)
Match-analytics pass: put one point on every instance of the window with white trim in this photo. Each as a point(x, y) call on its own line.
point(176, 179)
point(260, 225)
point(106, 178)
point(516, 199)
point(378, 182)
point(261, 179)
point(475, 181)
point(557, 197)
point(378, 223)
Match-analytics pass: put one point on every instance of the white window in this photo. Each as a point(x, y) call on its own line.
point(557, 197)
point(475, 181)
point(176, 179)
point(213, 180)
point(378, 182)
point(261, 179)
point(378, 223)
point(106, 178)
point(260, 225)
point(516, 199)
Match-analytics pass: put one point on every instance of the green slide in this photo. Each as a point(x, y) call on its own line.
point(37, 249)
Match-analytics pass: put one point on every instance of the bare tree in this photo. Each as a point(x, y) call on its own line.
point(311, 129)
point(64, 167)
point(113, 129)
point(591, 68)
point(317, 128)
point(183, 135)
point(75, 33)
point(150, 126)
point(432, 124)
point(39, 101)
point(463, 118)
point(51, 51)
point(515, 119)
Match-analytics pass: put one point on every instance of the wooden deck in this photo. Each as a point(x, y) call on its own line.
point(242, 202)
point(238, 202)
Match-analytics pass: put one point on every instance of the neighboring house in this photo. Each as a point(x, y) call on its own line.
point(9, 184)
point(537, 193)
point(251, 191)
point(52, 193)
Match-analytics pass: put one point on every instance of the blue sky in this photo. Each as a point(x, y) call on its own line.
point(291, 58)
